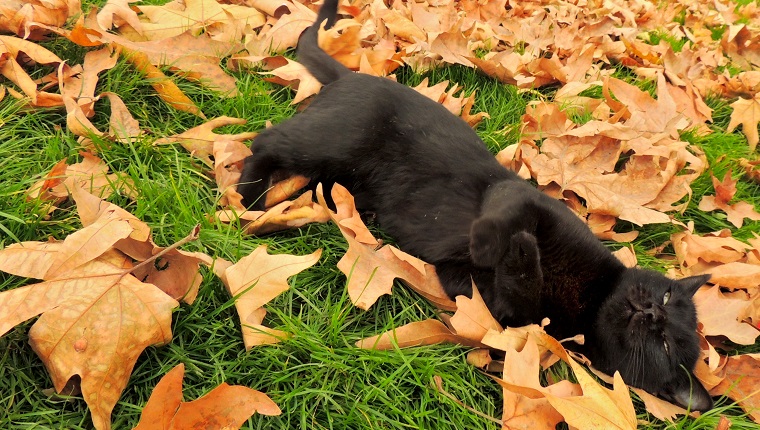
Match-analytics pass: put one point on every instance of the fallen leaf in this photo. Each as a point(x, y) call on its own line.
point(747, 113)
point(257, 279)
point(224, 407)
point(282, 216)
point(724, 192)
point(719, 316)
point(23, 17)
point(96, 317)
point(199, 141)
point(371, 269)
point(742, 383)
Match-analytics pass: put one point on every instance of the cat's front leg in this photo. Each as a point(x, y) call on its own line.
point(519, 280)
point(257, 171)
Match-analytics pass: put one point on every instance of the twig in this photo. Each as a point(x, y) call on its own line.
point(189, 238)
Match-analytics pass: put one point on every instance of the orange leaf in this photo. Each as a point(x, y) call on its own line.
point(742, 383)
point(371, 270)
point(224, 407)
point(257, 279)
point(747, 113)
point(720, 315)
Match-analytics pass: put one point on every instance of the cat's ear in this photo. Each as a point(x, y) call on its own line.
point(692, 283)
point(689, 393)
point(487, 242)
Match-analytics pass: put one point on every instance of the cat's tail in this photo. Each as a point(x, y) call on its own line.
point(324, 67)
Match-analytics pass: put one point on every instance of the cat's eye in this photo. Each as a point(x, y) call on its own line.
point(667, 347)
point(666, 298)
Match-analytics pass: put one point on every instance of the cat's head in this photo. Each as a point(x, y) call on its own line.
point(646, 330)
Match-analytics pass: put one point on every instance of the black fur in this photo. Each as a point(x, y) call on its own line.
point(435, 187)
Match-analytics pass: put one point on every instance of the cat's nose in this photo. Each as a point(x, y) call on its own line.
point(653, 313)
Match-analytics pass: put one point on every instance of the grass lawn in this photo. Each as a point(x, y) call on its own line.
point(318, 378)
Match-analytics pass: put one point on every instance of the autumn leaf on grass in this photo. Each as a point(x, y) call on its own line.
point(284, 32)
point(10, 49)
point(200, 140)
point(22, 17)
point(224, 407)
point(90, 174)
point(722, 316)
point(597, 407)
point(724, 192)
point(223, 22)
point(458, 105)
point(747, 113)
point(175, 272)
point(96, 316)
point(529, 410)
point(731, 263)
point(370, 267)
point(257, 279)
point(282, 216)
point(286, 72)
point(751, 169)
point(469, 325)
point(742, 383)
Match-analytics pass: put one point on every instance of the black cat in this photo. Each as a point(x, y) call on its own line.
point(435, 187)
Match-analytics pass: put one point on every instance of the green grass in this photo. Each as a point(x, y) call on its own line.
point(318, 378)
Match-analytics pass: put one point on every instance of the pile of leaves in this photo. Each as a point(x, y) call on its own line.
point(615, 153)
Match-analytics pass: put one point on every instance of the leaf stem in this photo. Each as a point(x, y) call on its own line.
point(193, 235)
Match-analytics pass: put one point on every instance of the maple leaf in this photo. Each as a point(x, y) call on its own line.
point(175, 272)
point(223, 22)
point(282, 216)
point(459, 106)
point(747, 113)
point(285, 71)
point(224, 407)
point(724, 192)
point(96, 317)
point(284, 32)
point(10, 49)
point(257, 279)
point(24, 17)
point(751, 169)
point(370, 268)
point(720, 316)
point(522, 369)
point(469, 325)
point(90, 174)
point(200, 140)
point(741, 381)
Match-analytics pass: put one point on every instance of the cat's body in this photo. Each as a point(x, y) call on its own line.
point(435, 187)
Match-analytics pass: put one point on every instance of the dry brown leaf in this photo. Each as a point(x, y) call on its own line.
point(751, 169)
point(223, 22)
point(23, 17)
point(720, 316)
point(419, 333)
point(598, 407)
point(175, 272)
point(371, 269)
point(283, 34)
point(257, 279)
point(282, 216)
point(90, 174)
point(200, 140)
point(95, 314)
point(523, 411)
point(742, 383)
point(285, 71)
point(166, 89)
point(226, 406)
point(724, 192)
point(747, 113)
